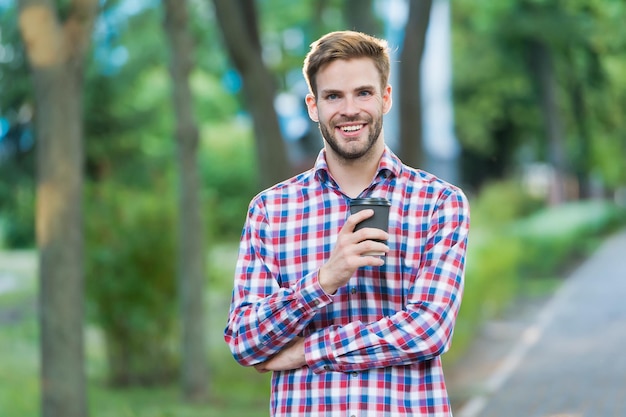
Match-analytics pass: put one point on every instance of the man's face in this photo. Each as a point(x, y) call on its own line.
point(349, 106)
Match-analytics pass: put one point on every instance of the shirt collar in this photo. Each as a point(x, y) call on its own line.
point(388, 166)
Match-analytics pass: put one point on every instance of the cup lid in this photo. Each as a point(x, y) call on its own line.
point(370, 201)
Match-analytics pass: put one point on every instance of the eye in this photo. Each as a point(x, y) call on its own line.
point(332, 96)
point(365, 93)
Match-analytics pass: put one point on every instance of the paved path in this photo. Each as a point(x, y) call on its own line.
point(571, 362)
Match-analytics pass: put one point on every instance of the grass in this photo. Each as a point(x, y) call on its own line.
point(19, 367)
point(234, 390)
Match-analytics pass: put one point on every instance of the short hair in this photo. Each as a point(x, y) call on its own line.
point(345, 45)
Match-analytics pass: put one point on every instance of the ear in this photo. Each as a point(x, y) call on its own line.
point(311, 105)
point(387, 99)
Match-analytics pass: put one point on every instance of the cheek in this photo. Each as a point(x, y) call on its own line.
point(323, 117)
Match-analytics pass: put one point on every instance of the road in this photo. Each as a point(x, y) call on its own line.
point(567, 359)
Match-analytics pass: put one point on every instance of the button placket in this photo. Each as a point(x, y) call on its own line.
point(354, 393)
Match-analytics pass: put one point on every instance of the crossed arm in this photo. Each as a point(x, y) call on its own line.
point(262, 332)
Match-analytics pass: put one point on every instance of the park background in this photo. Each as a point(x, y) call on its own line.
point(133, 134)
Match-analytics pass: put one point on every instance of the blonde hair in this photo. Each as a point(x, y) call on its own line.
point(345, 45)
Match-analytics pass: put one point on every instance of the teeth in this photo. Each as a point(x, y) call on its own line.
point(352, 128)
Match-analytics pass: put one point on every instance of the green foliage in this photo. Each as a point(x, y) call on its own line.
point(17, 210)
point(19, 367)
point(501, 202)
point(19, 334)
point(221, 265)
point(228, 171)
point(131, 280)
point(516, 249)
point(129, 138)
point(17, 227)
point(492, 277)
point(129, 147)
point(492, 282)
point(213, 102)
point(496, 91)
point(237, 391)
point(130, 221)
point(553, 238)
point(14, 81)
point(490, 84)
point(128, 116)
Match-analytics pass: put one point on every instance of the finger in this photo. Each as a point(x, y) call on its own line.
point(373, 260)
point(372, 248)
point(261, 368)
point(371, 233)
point(357, 218)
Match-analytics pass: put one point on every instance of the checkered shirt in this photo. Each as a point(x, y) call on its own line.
point(373, 348)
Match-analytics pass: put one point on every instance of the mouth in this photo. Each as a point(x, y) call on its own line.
point(351, 129)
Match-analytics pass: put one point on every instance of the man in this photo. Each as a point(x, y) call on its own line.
point(347, 334)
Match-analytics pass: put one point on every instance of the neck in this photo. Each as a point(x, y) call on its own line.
point(354, 176)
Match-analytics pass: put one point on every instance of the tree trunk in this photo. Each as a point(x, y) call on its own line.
point(543, 71)
point(583, 152)
point(238, 23)
point(191, 255)
point(360, 16)
point(582, 158)
point(56, 53)
point(318, 9)
point(410, 92)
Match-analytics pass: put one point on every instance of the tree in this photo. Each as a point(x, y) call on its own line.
point(542, 67)
point(538, 82)
point(409, 82)
point(56, 51)
point(238, 23)
point(359, 16)
point(129, 204)
point(191, 255)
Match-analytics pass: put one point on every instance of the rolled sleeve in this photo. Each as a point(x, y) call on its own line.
point(318, 353)
point(312, 295)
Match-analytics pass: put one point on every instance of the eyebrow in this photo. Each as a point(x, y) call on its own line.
point(335, 91)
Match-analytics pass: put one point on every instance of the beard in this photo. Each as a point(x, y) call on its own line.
point(346, 153)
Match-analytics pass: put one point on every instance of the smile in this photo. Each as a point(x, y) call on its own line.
point(353, 128)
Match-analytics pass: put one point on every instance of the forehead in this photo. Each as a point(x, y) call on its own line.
point(346, 75)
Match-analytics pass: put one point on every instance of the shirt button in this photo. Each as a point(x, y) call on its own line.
point(354, 374)
point(353, 290)
point(327, 367)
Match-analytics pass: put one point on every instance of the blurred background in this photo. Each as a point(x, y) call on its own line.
point(133, 134)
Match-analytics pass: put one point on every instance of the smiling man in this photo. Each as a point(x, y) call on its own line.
point(344, 333)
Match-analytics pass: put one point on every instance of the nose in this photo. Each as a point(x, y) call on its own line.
point(350, 106)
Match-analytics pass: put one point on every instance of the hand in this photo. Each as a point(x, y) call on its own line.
point(347, 255)
point(291, 357)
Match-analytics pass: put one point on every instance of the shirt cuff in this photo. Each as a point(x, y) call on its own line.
point(312, 295)
point(318, 353)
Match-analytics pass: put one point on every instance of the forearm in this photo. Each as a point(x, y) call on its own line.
point(417, 334)
point(423, 327)
point(260, 325)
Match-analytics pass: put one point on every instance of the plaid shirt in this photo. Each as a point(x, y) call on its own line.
point(373, 348)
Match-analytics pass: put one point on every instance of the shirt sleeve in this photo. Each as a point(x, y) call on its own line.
point(421, 331)
point(264, 316)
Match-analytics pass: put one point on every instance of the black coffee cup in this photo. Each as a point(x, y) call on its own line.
point(380, 219)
